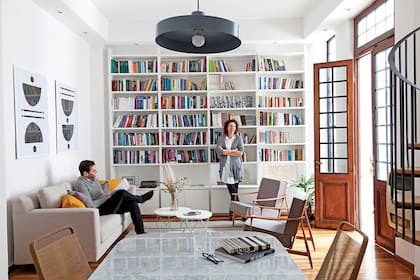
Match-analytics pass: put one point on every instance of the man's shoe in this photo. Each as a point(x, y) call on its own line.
point(145, 197)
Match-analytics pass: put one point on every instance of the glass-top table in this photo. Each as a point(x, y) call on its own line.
point(173, 256)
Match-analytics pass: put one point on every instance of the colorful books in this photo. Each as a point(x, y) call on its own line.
point(245, 257)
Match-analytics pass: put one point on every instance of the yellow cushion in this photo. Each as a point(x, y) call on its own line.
point(69, 201)
point(113, 183)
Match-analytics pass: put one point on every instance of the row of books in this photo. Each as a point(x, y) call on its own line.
point(185, 138)
point(214, 157)
point(271, 64)
point(135, 102)
point(231, 101)
point(178, 120)
point(172, 84)
point(133, 121)
point(215, 135)
point(184, 156)
point(273, 137)
point(134, 85)
point(277, 118)
point(184, 102)
point(135, 156)
point(184, 66)
point(219, 65)
point(279, 83)
point(135, 139)
point(279, 101)
point(133, 66)
point(280, 155)
point(219, 118)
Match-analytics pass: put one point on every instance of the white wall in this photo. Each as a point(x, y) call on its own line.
point(3, 209)
point(344, 40)
point(37, 42)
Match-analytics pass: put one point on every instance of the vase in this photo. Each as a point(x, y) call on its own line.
point(174, 201)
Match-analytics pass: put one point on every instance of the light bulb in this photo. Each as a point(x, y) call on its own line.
point(198, 40)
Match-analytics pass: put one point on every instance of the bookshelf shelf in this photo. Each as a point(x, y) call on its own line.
point(188, 97)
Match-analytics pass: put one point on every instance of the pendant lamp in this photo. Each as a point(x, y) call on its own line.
point(197, 33)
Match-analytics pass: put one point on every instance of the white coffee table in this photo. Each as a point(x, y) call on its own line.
point(165, 214)
point(194, 218)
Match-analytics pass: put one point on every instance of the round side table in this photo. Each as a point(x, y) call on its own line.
point(165, 214)
point(194, 218)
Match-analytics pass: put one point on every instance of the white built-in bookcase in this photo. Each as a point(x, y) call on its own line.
point(269, 103)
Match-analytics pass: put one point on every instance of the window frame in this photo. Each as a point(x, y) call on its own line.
point(359, 51)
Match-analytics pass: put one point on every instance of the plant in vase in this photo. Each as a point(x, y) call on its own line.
point(307, 185)
point(173, 186)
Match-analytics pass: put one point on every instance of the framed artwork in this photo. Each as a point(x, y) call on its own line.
point(67, 118)
point(130, 179)
point(31, 113)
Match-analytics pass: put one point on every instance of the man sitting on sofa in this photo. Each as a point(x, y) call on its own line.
point(118, 202)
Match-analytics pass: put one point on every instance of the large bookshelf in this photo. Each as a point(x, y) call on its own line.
point(170, 108)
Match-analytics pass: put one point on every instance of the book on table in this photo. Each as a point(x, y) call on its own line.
point(243, 257)
point(244, 244)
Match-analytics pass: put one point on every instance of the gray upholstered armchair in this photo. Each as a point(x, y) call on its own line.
point(270, 201)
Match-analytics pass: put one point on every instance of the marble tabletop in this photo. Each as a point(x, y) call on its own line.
point(173, 256)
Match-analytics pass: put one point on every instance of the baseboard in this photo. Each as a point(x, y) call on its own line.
point(405, 263)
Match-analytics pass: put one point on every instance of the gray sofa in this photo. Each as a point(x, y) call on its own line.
point(39, 212)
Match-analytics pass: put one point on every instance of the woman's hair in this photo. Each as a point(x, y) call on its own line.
point(85, 166)
point(225, 126)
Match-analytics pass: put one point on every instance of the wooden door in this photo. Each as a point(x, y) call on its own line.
point(333, 119)
point(382, 148)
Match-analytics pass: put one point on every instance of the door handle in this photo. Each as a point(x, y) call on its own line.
point(317, 162)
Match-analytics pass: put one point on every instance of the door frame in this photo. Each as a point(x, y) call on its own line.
point(335, 180)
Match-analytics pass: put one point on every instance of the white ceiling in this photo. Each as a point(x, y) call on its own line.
point(134, 21)
point(131, 10)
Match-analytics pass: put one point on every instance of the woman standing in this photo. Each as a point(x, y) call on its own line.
point(230, 148)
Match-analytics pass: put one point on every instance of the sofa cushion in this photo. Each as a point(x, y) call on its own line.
point(69, 201)
point(50, 197)
point(109, 224)
point(83, 198)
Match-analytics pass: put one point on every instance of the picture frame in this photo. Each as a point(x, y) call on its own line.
point(130, 179)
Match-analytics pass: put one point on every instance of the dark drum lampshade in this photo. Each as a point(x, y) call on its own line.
point(198, 33)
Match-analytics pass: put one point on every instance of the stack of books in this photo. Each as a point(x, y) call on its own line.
point(244, 249)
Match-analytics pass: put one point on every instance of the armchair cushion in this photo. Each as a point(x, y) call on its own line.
point(268, 225)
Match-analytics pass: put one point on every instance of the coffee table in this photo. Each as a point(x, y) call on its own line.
point(173, 255)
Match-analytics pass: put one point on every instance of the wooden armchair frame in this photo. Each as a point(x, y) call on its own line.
point(287, 238)
point(58, 255)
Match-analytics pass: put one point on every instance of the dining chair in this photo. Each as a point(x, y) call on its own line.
point(58, 255)
point(285, 229)
point(345, 255)
point(270, 201)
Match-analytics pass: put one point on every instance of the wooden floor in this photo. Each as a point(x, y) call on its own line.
point(377, 263)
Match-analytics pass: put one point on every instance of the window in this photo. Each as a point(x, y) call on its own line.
point(375, 23)
point(331, 49)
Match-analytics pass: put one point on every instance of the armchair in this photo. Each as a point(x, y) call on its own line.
point(284, 229)
point(270, 201)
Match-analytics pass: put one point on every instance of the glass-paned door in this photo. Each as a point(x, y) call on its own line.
point(333, 119)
